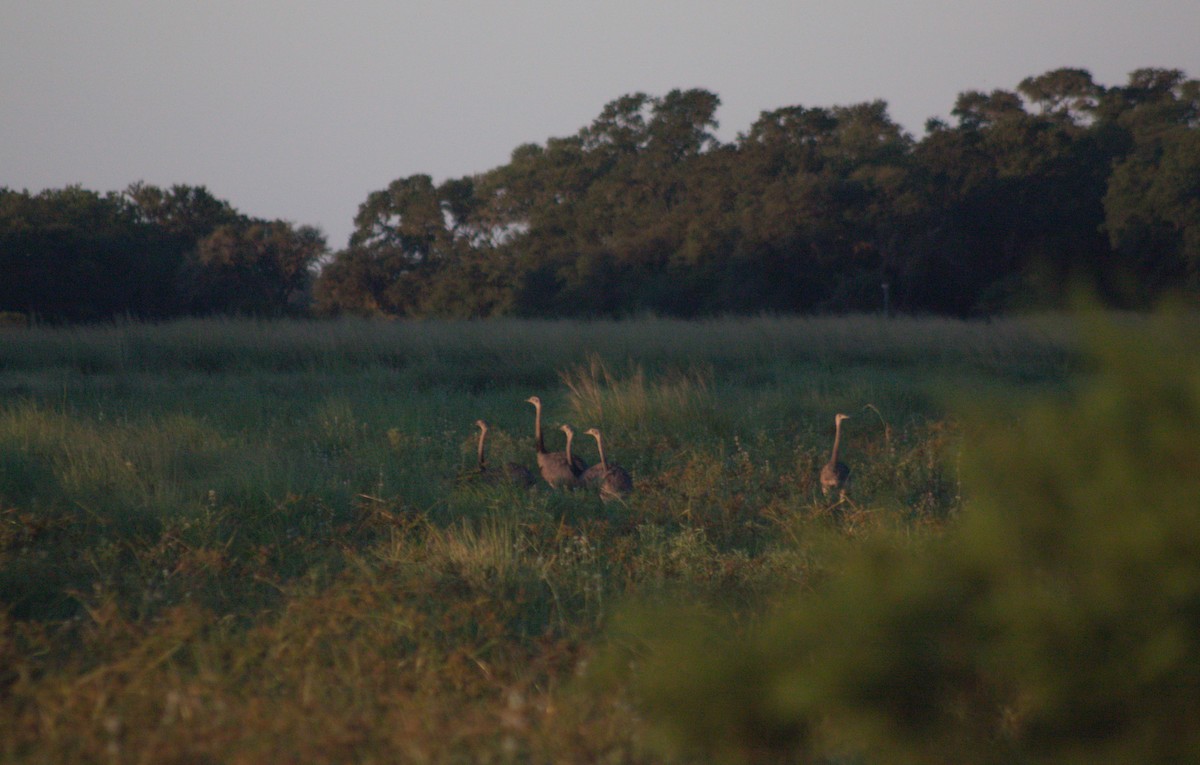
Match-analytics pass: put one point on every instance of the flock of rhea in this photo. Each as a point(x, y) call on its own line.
point(561, 470)
point(565, 470)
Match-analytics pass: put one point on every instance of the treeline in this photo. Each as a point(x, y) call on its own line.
point(1062, 181)
point(148, 253)
point(1057, 183)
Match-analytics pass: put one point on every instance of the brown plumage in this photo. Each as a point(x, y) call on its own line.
point(513, 473)
point(557, 468)
point(835, 473)
point(615, 481)
point(570, 458)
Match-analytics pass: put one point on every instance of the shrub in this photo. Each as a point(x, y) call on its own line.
point(1057, 621)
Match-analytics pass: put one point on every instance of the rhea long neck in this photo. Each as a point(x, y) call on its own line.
point(837, 440)
point(537, 428)
point(600, 448)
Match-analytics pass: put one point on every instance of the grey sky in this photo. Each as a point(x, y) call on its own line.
point(298, 109)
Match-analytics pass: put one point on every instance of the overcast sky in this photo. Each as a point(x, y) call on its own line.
point(298, 109)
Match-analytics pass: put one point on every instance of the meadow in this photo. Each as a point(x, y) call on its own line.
point(237, 541)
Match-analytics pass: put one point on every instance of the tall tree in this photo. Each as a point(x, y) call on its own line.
point(187, 213)
point(811, 209)
point(77, 255)
point(1065, 93)
point(404, 236)
point(261, 268)
point(1013, 201)
point(1152, 204)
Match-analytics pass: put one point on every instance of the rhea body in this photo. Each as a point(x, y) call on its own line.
point(559, 469)
point(513, 473)
point(835, 473)
point(614, 480)
point(570, 434)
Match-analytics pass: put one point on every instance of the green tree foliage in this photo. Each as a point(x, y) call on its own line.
point(77, 255)
point(406, 236)
point(185, 213)
point(1066, 94)
point(231, 263)
point(811, 209)
point(262, 268)
point(1032, 191)
point(1013, 202)
point(1055, 622)
point(803, 164)
point(1153, 197)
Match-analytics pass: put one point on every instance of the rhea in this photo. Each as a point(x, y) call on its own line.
point(614, 480)
point(513, 473)
point(835, 473)
point(558, 468)
point(569, 432)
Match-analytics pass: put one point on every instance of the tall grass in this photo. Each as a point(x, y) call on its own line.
point(680, 402)
point(248, 541)
point(522, 351)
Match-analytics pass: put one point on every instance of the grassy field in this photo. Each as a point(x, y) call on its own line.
point(241, 542)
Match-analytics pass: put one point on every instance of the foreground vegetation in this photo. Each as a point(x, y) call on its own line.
point(232, 541)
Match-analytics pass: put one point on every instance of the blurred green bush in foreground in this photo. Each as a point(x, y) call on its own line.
point(1058, 620)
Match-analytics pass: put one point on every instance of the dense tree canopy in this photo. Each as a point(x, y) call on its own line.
point(1059, 182)
point(150, 253)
